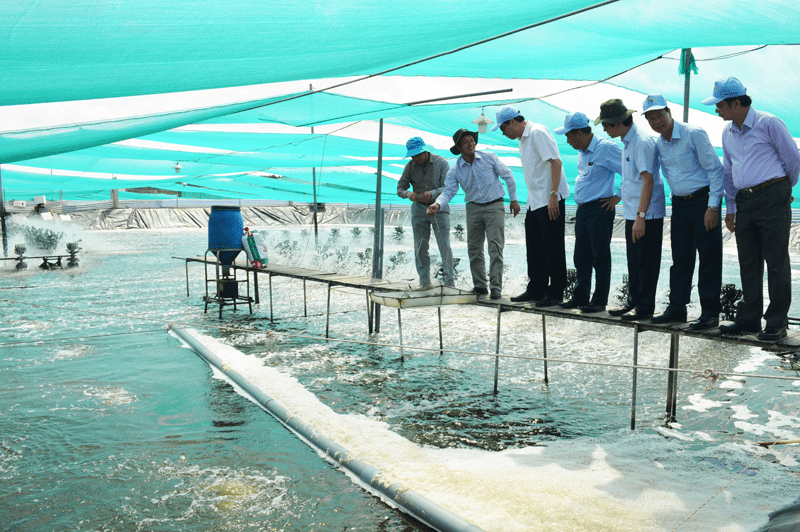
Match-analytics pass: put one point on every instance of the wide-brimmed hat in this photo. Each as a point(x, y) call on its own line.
point(572, 121)
point(457, 139)
point(415, 146)
point(613, 111)
point(725, 88)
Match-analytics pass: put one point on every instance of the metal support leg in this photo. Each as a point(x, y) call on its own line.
point(187, 279)
point(271, 318)
point(497, 349)
point(441, 340)
point(544, 349)
point(328, 313)
point(672, 379)
point(635, 363)
point(400, 329)
point(305, 303)
point(255, 286)
point(369, 313)
point(376, 317)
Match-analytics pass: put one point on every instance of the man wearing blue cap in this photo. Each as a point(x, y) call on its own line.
point(479, 173)
point(544, 217)
point(425, 173)
point(762, 164)
point(599, 160)
point(642, 196)
point(695, 177)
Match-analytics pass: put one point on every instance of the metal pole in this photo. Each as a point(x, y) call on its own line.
point(377, 245)
point(369, 313)
point(497, 350)
point(255, 284)
point(687, 74)
point(672, 378)
point(187, 275)
point(314, 188)
point(400, 329)
point(544, 349)
point(3, 219)
point(441, 340)
point(635, 363)
point(271, 318)
point(328, 312)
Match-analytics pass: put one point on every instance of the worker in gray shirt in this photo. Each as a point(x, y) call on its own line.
point(425, 174)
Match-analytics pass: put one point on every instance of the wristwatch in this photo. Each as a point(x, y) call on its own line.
point(553, 193)
point(714, 208)
point(641, 214)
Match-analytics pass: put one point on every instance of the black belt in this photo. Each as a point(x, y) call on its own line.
point(488, 203)
point(765, 184)
point(698, 192)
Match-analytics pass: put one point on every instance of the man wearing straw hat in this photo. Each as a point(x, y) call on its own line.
point(642, 196)
point(599, 160)
point(761, 163)
point(544, 217)
point(425, 173)
point(478, 173)
point(695, 177)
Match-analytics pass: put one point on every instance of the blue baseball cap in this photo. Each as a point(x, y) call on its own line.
point(654, 102)
point(576, 120)
point(725, 88)
point(505, 114)
point(415, 146)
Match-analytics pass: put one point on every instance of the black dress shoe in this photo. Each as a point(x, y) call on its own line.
point(479, 290)
point(772, 334)
point(703, 322)
point(571, 304)
point(495, 293)
point(547, 301)
point(522, 298)
point(591, 309)
point(636, 314)
point(670, 316)
point(620, 311)
point(739, 328)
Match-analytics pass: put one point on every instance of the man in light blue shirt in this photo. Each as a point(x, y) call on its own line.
point(642, 196)
point(599, 160)
point(762, 164)
point(478, 173)
point(695, 176)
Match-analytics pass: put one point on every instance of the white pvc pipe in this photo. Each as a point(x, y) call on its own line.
point(371, 478)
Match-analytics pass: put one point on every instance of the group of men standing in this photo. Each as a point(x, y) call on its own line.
point(761, 163)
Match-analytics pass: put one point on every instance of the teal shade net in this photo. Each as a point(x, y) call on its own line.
point(100, 49)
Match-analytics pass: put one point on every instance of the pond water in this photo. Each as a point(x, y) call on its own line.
point(107, 422)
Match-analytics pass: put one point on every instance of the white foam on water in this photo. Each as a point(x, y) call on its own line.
point(623, 481)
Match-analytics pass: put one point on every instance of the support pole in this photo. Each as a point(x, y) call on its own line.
point(441, 340)
point(635, 363)
point(328, 313)
point(497, 349)
point(377, 245)
point(187, 275)
point(305, 301)
point(544, 349)
point(400, 329)
point(369, 312)
point(255, 285)
point(314, 188)
point(687, 61)
point(672, 378)
point(271, 318)
point(3, 221)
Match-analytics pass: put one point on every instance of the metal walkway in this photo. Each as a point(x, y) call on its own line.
point(790, 344)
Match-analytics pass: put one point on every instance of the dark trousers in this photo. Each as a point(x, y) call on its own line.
point(547, 257)
point(593, 228)
point(644, 263)
point(763, 219)
point(689, 238)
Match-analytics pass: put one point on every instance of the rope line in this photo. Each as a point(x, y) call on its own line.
point(398, 346)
